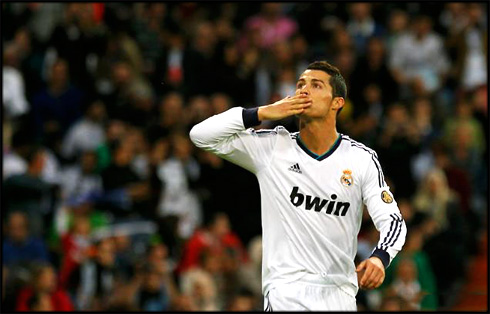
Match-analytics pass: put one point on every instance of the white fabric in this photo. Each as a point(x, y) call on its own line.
point(14, 99)
point(475, 65)
point(13, 164)
point(297, 241)
point(424, 58)
point(84, 135)
point(176, 197)
point(308, 297)
point(75, 183)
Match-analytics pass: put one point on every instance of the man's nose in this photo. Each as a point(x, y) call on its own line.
point(304, 91)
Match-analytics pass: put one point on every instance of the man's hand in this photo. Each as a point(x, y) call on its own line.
point(370, 273)
point(285, 107)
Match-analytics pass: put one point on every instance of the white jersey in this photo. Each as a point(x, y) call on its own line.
point(311, 205)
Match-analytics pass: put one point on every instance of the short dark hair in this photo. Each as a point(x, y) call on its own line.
point(337, 81)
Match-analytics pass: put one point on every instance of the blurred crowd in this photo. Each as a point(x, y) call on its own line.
point(107, 205)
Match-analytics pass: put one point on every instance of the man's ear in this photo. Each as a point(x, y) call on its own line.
point(338, 103)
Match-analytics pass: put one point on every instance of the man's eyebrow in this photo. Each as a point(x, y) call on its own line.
point(313, 80)
point(317, 80)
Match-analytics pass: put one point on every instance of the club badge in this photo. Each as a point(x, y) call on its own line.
point(346, 179)
point(386, 197)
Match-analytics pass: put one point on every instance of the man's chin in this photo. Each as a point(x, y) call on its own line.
point(304, 113)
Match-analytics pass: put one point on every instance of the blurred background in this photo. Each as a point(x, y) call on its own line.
point(108, 206)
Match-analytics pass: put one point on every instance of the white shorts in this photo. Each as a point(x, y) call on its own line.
point(301, 296)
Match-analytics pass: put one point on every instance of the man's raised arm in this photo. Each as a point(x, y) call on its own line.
point(227, 134)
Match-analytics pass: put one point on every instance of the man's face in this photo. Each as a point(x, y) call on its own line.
point(47, 280)
point(17, 228)
point(315, 83)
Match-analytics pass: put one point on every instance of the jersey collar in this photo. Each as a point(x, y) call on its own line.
point(315, 156)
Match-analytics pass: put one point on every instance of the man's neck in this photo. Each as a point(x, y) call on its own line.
point(318, 135)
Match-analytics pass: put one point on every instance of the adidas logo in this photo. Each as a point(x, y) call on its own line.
point(295, 168)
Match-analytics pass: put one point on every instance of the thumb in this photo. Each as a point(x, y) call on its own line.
point(361, 266)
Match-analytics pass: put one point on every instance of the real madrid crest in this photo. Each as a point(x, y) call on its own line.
point(346, 179)
point(386, 197)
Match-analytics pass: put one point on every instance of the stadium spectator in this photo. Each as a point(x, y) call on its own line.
point(251, 272)
point(425, 277)
point(81, 179)
point(130, 95)
point(361, 25)
point(203, 282)
point(76, 246)
point(399, 138)
point(177, 198)
point(40, 302)
point(147, 26)
point(140, 146)
point(428, 127)
point(220, 102)
point(393, 304)
point(216, 236)
point(406, 284)
point(445, 230)
point(153, 294)
point(169, 118)
point(198, 109)
point(30, 55)
point(14, 98)
point(372, 69)
point(453, 17)
point(397, 25)
point(418, 59)
point(125, 256)
point(19, 247)
point(159, 259)
point(243, 301)
point(44, 282)
point(115, 130)
point(97, 277)
point(78, 39)
point(123, 188)
point(87, 133)
point(468, 42)
point(464, 117)
point(201, 54)
point(169, 71)
point(269, 26)
point(29, 193)
point(56, 107)
point(14, 156)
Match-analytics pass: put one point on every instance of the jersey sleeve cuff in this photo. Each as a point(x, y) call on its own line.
point(383, 256)
point(250, 117)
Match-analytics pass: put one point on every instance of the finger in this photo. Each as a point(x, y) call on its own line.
point(296, 111)
point(298, 101)
point(371, 283)
point(367, 275)
point(300, 96)
point(299, 106)
point(380, 281)
point(376, 279)
point(361, 266)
